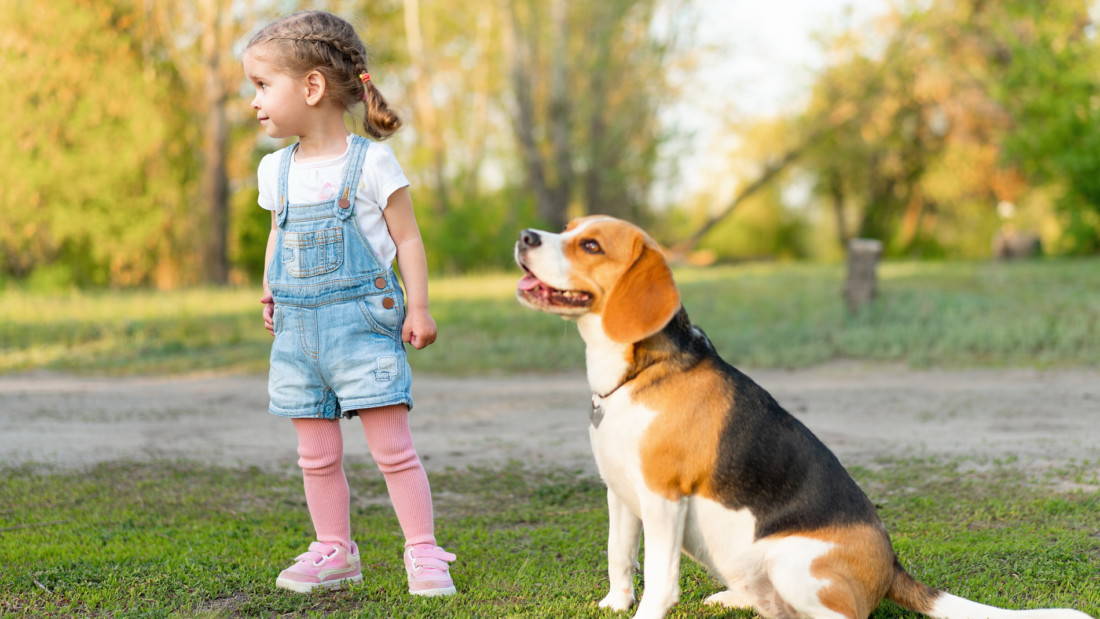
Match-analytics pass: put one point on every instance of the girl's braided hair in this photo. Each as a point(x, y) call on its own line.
point(321, 41)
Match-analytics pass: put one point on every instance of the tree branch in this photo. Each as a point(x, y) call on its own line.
point(682, 248)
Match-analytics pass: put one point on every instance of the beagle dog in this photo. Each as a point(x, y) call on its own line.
point(701, 459)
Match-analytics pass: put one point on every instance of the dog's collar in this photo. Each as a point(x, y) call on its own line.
point(597, 400)
point(632, 372)
point(603, 396)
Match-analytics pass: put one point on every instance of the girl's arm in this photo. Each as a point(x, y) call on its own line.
point(267, 299)
point(419, 329)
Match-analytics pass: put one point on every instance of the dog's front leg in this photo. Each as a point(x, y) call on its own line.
point(622, 552)
point(663, 526)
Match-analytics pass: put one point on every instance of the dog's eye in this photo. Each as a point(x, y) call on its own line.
point(591, 246)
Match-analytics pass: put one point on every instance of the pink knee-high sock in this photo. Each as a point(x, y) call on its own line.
point(391, 445)
point(321, 455)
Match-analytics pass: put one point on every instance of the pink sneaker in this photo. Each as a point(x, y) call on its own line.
point(427, 569)
point(328, 566)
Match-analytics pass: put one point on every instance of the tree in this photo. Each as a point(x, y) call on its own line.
point(1047, 81)
point(93, 165)
point(198, 40)
point(425, 110)
point(922, 168)
point(585, 96)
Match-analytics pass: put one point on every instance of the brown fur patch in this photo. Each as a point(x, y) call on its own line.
point(860, 568)
point(680, 446)
point(907, 592)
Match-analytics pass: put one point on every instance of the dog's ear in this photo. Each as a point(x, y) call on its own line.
point(643, 300)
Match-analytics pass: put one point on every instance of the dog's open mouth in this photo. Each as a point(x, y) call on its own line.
point(542, 296)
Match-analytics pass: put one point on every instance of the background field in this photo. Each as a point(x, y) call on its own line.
point(1042, 313)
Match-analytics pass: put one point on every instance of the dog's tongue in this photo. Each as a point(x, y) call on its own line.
point(528, 282)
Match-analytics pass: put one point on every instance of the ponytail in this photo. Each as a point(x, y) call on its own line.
point(378, 120)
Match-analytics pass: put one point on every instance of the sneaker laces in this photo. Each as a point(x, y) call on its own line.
point(432, 558)
point(318, 553)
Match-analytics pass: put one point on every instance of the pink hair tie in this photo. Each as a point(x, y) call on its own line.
point(364, 77)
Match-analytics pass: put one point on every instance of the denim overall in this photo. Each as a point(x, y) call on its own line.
point(338, 312)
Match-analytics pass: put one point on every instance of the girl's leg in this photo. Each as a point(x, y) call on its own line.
point(391, 445)
point(321, 455)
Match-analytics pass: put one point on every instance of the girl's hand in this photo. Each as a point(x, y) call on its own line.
point(269, 311)
point(419, 329)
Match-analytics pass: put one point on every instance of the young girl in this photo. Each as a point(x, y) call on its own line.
point(340, 213)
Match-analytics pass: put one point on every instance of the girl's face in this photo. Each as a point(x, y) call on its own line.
point(280, 100)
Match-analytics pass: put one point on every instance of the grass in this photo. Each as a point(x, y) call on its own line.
point(177, 539)
point(174, 539)
point(1034, 314)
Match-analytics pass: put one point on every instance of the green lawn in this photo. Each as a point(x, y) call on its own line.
point(163, 539)
point(158, 539)
point(1043, 313)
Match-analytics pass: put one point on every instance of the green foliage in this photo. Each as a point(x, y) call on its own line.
point(958, 106)
point(472, 234)
point(250, 225)
point(92, 172)
point(1049, 84)
point(108, 107)
point(961, 107)
point(168, 538)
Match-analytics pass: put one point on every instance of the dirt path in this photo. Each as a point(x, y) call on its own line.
point(1035, 418)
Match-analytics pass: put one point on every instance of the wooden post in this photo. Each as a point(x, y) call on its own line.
point(862, 282)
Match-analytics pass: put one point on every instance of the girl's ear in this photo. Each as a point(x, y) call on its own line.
point(643, 300)
point(314, 87)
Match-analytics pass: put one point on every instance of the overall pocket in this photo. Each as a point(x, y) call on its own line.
point(384, 312)
point(312, 253)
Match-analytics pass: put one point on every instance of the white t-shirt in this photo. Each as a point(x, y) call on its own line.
point(318, 181)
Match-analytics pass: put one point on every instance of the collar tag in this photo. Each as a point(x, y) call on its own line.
point(597, 411)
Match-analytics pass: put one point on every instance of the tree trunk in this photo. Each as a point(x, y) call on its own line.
point(477, 136)
point(427, 122)
point(910, 221)
point(523, 123)
point(594, 201)
point(836, 192)
point(215, 183)
point(559, 114)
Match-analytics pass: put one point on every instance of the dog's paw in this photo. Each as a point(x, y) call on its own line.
point(618, 600)
point(650, 612)
point(729, 599)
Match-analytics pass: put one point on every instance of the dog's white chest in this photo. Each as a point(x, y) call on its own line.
point(616, 428)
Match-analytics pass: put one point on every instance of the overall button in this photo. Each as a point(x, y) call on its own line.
point(387, 303)
point(344, 203)
point(380, 283)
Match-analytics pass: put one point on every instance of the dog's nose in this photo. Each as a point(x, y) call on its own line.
point(529, 238)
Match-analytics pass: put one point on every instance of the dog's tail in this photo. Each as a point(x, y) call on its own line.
point(908, 592)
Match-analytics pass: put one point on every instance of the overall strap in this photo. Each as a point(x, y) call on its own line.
point(353, 169)
point(284, 173)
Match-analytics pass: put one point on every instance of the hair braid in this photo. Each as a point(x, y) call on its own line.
point(318, 40)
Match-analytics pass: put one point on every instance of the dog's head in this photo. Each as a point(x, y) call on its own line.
point(599, 265)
